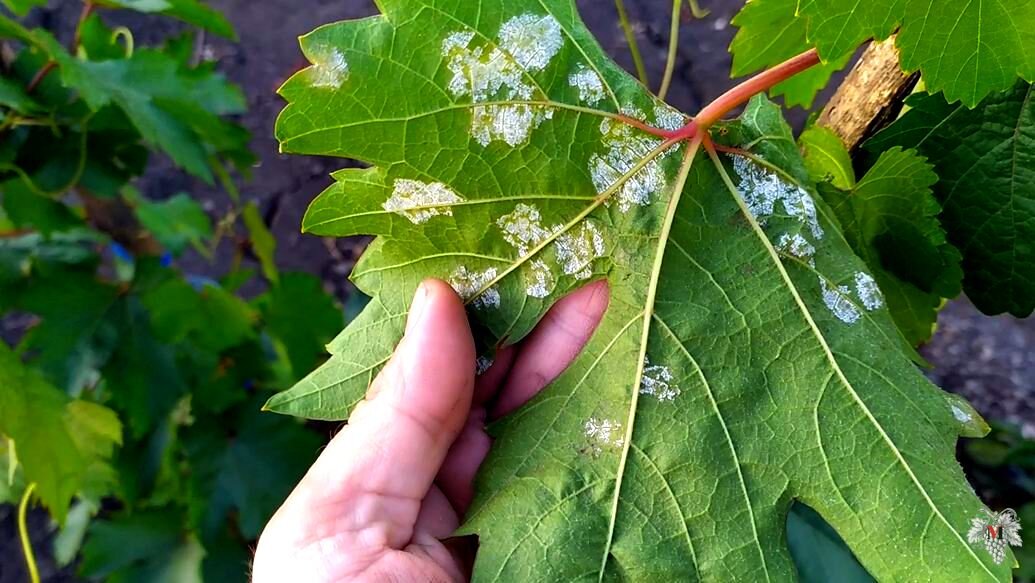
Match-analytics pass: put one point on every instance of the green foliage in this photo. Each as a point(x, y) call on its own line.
point(985, 160)
point(890, 218)
point(133, 385)
point(747, 358)
point(965, 49)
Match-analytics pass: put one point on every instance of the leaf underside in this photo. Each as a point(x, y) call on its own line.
point(745, 361)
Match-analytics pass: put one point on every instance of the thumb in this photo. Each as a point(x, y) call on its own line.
point(396, 440)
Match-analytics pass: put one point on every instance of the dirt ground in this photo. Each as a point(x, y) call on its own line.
point(988, 360)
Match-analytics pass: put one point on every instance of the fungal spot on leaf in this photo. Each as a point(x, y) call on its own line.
point(796, 246)
point(837, 300)
point(527, 43)
point(761, 189)
point(523, 228)
point(531, 40)
point(625, 147)
point(468, 283)
point(419, 201)
point(603, 434)
point(541, 280)
point(591, 88)
point(868, 291)
point(329, 70)
point(961, 415)
point(658, 381)
point(971, 423)
point(668, 118)
point(577, 249)
point(512, 124)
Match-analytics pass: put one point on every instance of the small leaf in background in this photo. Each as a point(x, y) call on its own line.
point(191, 11)
point(245, 462)
point(141, 375)
point(69, 540)
point(891, 220)
point(985, 160)
point(176, 222)
point(57, 448)
point(13, 96)
point(819, 553)
point(147, 546)
point(180, 310)
point(826, 158)
point(303, 317)
point(27, 209)
point(263, 244)
point(22, 7)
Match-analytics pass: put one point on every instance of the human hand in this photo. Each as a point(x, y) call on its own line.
point(384, 498)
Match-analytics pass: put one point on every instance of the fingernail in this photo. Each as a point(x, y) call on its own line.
point(420, 300)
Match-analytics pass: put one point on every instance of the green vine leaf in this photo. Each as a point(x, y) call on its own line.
point(191, 11)
point(63, 445)
point(985, 160)
point(746, 360)
point(770, 32)
point(891, 220)
point(964, 49)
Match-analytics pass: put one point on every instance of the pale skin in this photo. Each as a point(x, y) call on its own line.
point(383, 500)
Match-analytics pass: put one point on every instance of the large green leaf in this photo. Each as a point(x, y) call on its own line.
point(966, 49)
point(746, 359)
point(985, 161)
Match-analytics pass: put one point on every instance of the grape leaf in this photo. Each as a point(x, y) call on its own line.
point(176, 222)
point(145, 546)
point(826, 157)
point(770, 32)
point(195, 12)
point(985, 161)
point(745, 361)
point(22, 7)
point(62, 444)
point(964, 49)
point(244, 462)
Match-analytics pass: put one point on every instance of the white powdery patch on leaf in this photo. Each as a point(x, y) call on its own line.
point(837, 300)
point(527, 44)
point(658, 381)
point(668, 118)
point(482, 76)
point(868, 291)
point(603, 434)
point(761, 189)
point(330, 70)
point(796, 246)
point(531, 40)
point(468, 283)
point(419, 201)
point(577, 249)
point(589, 84)
point(961, 415)
point(523, 228)
point(541, 280)
point(512, 124)
point(625, 148)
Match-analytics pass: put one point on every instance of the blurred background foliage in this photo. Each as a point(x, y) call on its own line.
point(131, 388)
